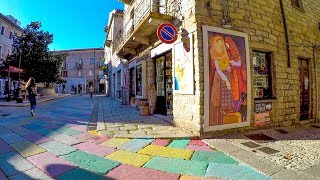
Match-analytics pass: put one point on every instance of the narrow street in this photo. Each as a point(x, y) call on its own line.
point(55, 144)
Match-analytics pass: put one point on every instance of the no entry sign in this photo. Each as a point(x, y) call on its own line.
point(167, 33)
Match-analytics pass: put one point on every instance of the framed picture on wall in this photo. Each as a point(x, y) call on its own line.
point(226, 79)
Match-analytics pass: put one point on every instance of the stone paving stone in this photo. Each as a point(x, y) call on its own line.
point(113, 129)
point(314, 170)
point(213, 157)
point(11, 138)
point(34, 173)
point(129, 158)
point(138, 132)
point(92, 148)
point(135, 145)
point(128, 128)
point(51, 164)
point(232, 171)
point(199, 148)
point(2, 175)
point(98, 140)
point(181, 144)
point(106, 133)
point(144, 126)
point(32, 126)
point(37, 138)
point(197, 142)
point(4, 147)
point(178, 166)
point(69, 140)
point(151, 132)
point(91, 162)
point(26, 148)
point(46, 132)
point(115, 142)
point(68, 131)
point(4, 131)
point(57, 148)
point(161, 142)
point(134, 173)
point(79, 173)
point(166, 152)
point(12, 163)
point(94, 132)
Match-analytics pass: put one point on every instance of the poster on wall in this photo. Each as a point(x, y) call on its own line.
point(183, 67)
point(262, 113)
point(226, 67)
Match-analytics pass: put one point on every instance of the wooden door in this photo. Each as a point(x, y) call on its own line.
point(304, 89)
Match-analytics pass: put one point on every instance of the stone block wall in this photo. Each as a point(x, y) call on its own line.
point(262, 21)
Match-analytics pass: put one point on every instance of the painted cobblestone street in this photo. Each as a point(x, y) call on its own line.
point(55, 144)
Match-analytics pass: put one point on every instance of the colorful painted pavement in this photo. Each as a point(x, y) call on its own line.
point(55, 144)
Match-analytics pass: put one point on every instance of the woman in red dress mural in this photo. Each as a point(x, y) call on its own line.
point(228, 84)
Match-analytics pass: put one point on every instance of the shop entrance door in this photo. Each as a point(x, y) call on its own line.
point(164, 83)
point(304, 89)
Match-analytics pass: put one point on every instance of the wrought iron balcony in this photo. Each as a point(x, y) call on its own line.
point(79, 66)
point(141, 21)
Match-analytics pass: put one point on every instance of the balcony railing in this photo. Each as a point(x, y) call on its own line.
point(139, 13)
point(79, 66)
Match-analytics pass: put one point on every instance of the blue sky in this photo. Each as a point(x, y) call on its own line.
point(73, 23)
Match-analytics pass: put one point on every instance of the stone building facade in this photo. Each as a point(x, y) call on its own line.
point(269, 71)
point(116, 68)
point(82, 68)
point(9, 27)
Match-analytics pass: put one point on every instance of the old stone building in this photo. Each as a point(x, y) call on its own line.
point(236, 64)
point(9, 27)
point(81, 69)
point(115, 64)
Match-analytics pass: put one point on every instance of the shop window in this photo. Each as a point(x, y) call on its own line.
point(297, 3)
point(91, 60)
point(132, 82)
point(262, 79)
point(139, 80)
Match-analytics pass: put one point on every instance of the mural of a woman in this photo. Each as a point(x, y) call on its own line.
point(228, 85)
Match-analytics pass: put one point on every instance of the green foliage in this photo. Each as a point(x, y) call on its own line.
point(36, 58)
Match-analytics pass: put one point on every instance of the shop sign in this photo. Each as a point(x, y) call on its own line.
point(167, 33)
point(262, 107)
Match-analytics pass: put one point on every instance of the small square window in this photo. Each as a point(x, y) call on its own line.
point(262, 77)
point(11, 35)
point(65, 73)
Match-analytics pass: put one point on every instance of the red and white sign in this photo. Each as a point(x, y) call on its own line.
point(167, 33)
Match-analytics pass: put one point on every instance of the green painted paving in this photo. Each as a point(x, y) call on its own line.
point(213, 157)
point(181, 144)
point(179, 166)
point(91, 162)
point(232, 171)
point(68, 131)
point(80, 174)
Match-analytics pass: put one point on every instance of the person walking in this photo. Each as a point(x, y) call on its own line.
point(91, 90)
point(80, 90)
point(31, 89)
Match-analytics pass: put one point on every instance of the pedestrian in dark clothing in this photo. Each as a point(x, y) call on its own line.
point(31, 89)
point(91, 90)
point(80, 90)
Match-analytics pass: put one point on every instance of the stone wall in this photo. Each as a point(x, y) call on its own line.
point(262, 21)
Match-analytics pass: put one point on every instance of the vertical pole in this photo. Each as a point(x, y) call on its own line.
point(94, 69)
point(19, 64)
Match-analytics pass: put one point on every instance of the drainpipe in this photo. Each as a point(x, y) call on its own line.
point(314, 48)
point(286, 32)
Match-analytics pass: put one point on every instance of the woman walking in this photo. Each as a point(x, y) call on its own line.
point(91, 90)
point(31, 88)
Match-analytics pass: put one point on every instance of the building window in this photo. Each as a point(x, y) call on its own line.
point(262, 80)
point(91, 60)
point(0, 51)
point(79, 73)
point(2, 30)
point(11, 35)
point(80, 62)
point(297, 3)
point(90, 73)
point(101, 62)
point(139, 80)
point(64, 73)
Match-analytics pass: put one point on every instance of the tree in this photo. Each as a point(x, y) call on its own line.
point(36, 58)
